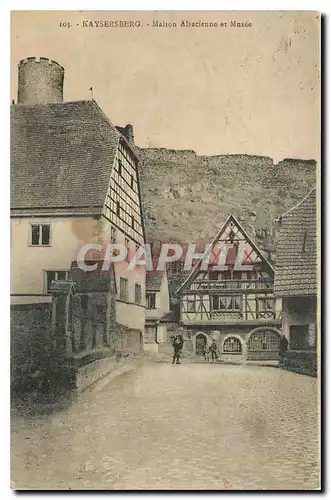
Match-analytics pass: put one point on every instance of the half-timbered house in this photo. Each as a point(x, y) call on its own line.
point(229, 297)
point(74, 182)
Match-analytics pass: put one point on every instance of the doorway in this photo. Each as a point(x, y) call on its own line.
point(200, 342)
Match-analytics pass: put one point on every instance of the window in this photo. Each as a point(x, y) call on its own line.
point(40, 234)
point(131, 182)
point(266, 307)
point(220, 303)
point(55, 275)
point(234, 304)
point(119, 167)
point(232, 345)
point(118, 208)
point(124, 289)
point(132, 221)
point(263, 340)
point(150, 298)
point(137, 294)
point(113, 235)
point(127, 246)
point(213, 275)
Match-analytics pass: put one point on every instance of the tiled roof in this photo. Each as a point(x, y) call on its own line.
point(61, 155)
point(296, 256)
point(154, 280)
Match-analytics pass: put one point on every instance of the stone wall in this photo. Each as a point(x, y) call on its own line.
point(93, 319)
point(300, 362)
point(30, 342)
point(127, 340)
point(97, 344)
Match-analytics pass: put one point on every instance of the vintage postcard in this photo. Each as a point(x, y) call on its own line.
point(165, 243)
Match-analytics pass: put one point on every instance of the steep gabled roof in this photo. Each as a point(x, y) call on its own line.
point(230, 219)
point(296, 253)
point(61, 155)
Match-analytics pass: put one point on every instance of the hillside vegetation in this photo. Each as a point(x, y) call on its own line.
point(187, 197)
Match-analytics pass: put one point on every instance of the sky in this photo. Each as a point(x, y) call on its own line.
point(220, 90)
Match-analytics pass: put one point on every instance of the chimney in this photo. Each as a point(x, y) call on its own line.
point(40, 81)
point(127, 131)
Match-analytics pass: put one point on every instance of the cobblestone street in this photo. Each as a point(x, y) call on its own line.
point(190, 426)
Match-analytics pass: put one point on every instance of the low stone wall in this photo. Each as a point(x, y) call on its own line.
point(304, 362)
point(30, 343)
point(262, 355)
point(37, 367)
point(87, 374)
point(232, 357)
point(126, 340)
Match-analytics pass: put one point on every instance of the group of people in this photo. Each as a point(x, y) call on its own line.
point(210, 350)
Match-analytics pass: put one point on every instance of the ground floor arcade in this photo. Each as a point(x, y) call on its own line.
point(236, 344)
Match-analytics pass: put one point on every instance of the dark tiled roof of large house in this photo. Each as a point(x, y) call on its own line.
point(296, 255)
point(61, 155)
point(154, 280)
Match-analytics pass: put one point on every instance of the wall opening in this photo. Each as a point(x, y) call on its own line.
point(232, 345)
point(264, 340)
point(200, 343)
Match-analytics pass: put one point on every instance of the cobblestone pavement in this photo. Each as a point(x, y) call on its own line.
point(190, 426)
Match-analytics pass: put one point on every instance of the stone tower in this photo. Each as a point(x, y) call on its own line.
point(40, 81)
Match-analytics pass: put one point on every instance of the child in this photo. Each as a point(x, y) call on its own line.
point(206, 352)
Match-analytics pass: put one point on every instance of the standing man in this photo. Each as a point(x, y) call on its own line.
point(177, 344)
point(213, 350)
point(283, 345)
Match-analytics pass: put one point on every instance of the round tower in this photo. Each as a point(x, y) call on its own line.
point(40, 81)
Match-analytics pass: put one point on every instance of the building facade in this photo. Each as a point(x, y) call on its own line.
point(229, 297)
point(157, 308)
point(296, 282)
point(74, 182)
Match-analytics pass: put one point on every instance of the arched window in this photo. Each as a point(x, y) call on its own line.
point(264, 340)
point(232, 344)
